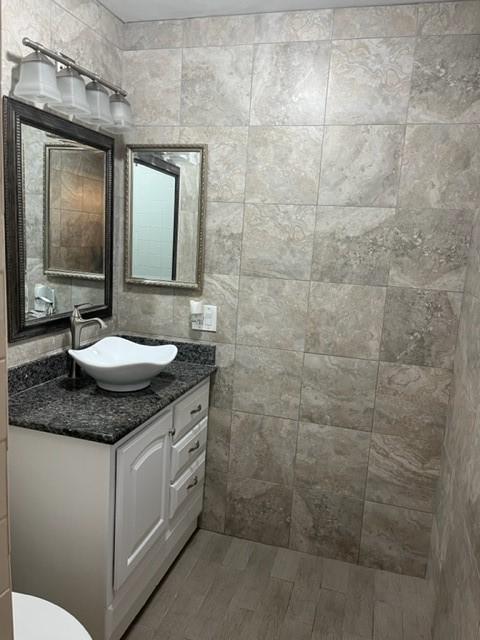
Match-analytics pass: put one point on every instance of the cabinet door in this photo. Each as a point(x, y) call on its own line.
point(141, 495)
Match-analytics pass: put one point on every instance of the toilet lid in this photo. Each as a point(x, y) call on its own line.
point(38, 619)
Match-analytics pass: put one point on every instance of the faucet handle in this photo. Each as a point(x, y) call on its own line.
point(76, 309)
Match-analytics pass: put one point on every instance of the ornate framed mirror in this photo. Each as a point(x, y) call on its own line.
point(165, 215)
point(58, 220)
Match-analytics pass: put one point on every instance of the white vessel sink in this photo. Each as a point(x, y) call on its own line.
point(121, 365)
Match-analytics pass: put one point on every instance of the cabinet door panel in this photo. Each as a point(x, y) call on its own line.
point(141, 509)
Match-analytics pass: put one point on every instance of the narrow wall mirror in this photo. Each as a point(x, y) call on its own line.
point(165, 211)
point(58, 220)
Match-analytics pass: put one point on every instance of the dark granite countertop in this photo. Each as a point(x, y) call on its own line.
point(80, 409)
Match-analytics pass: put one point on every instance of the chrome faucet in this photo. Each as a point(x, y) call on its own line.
point(77, 323)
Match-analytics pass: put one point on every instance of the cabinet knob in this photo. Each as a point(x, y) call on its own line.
point(193, 484)
point(197, 410)
point(195, 447)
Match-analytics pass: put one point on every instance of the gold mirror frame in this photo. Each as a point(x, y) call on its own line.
point(172, 284)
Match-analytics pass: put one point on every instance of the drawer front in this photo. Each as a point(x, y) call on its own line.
point(190, 410)
point(188, 484)
point(186, 450)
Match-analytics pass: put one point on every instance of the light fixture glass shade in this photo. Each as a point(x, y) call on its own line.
point(121, 113)
point(72, 89)
point(38, 80)
point(97, 98)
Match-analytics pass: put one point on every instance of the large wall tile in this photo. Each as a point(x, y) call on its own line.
point(263, 448)
point(214, 501)
point(293, 26)
point(369, 81)
point(220, 290)
point(218, 440)
point(296, 69)
point(145, 312)
point(420, 327)
point(345, 320)
point(223, 237)
point(272, 313)
point(472, 280)
point(216, 85)
point(258, 510)
point(219, 31)
point(283, 164)
point(430, 248)
point(161, 34)
point(278, 240)
point(395, 539)
point(268, 381)
point(360, 165)
point(442, 18)
point(222, 392)
point(338, 391)
point(411, 401)
point(403, 471)
point(227, 159)
point(446, 91)
point(332, 459)
point(352, 244)
point(152, 79)
point(326, 525)
point(440, 167)
point(75, 39)
point(375, 22)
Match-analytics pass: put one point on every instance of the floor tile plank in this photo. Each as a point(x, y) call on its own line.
point(329, 617)
point(359, 602)
point(388, 622)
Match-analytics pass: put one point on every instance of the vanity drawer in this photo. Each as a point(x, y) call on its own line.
point(188, 448)
point(188, 483)
point(190, 410)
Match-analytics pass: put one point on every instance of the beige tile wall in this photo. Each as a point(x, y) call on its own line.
point(85, 31)
point(343, 179)
point(454, 567)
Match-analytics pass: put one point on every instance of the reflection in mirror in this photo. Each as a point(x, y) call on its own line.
point(58, 220)
point(165, 215)
point(64, 211)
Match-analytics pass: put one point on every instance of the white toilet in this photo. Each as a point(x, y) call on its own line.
point(37, 619)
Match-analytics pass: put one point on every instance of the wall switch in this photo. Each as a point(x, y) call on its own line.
point(206, 321)
point(209, 317)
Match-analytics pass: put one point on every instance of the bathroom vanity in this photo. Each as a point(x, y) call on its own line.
point(106, 489)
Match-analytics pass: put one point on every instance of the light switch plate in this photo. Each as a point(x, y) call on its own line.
point(206, 321)
point(209, 317)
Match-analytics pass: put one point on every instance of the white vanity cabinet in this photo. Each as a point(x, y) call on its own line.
point(96, 526)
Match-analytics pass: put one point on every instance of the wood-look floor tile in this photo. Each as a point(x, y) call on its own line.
point(388, 623)
point(286, 564)
point(295, 631)
point(417, 625)
point(268, 618)
point(335, 575)
point(215, 605)
point(255, 578)
point(359, 602)
point(330, 615)
point(235, 621)
point(225, 588)
point(238, 554)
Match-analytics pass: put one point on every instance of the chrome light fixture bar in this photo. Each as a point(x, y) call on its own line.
point(64, 90)
point(63, 59)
